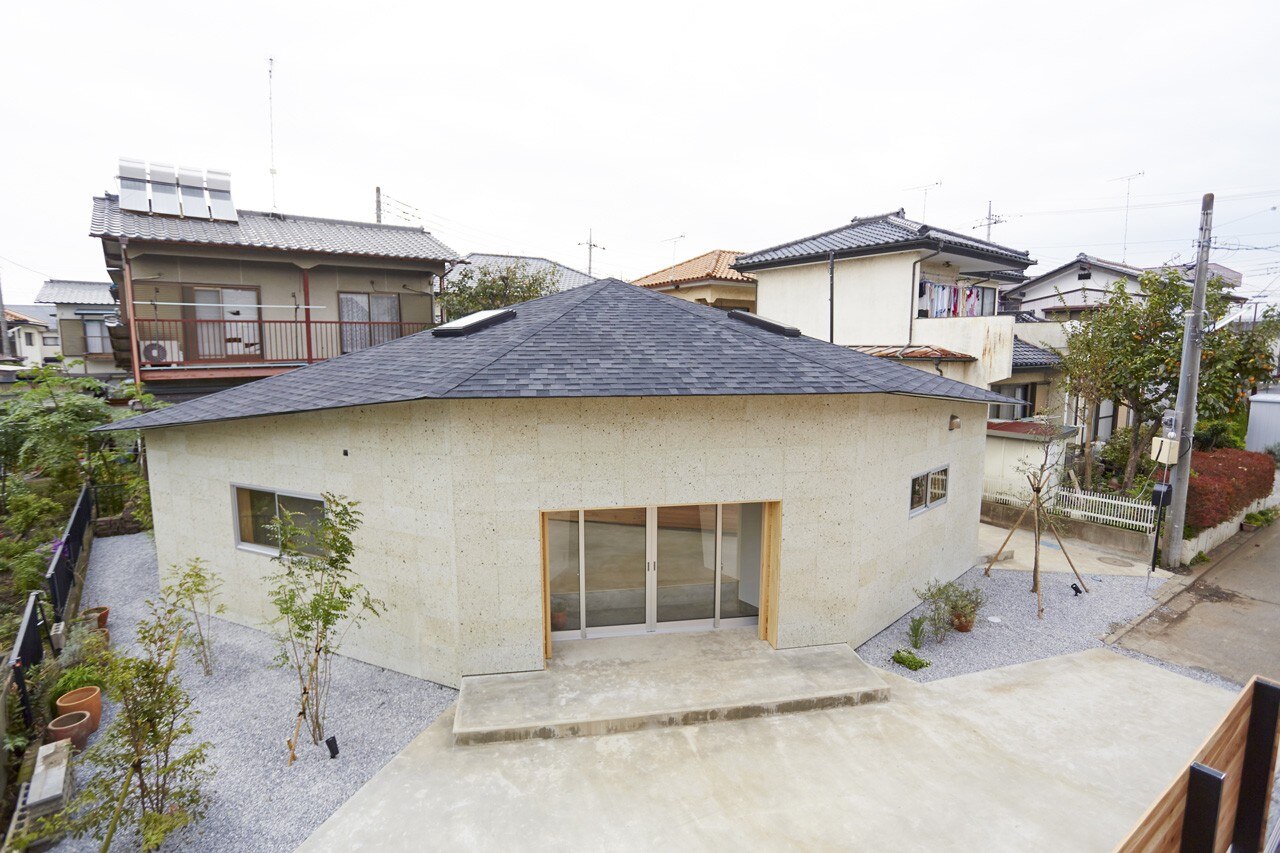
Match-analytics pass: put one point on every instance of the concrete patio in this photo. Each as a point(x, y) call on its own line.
point(619, 684)
point(1063, 754)
point(1090, 559)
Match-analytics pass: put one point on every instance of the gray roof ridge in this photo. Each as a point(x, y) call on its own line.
point(966, 237)
point(77, 281)
point(417, 229)
point(765, 336)
point(851, 223)
point(597, 285)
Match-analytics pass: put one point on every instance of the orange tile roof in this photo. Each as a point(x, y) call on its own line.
point(712, 265)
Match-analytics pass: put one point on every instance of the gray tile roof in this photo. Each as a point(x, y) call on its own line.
point(44, 313)
point(605, 339)
point(272, 231)
point(874, 234)
point(76, 293)
point(569, 278)
point(1027, 354)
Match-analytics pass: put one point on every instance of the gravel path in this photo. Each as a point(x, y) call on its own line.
point(247, 709)
point(1071, 624)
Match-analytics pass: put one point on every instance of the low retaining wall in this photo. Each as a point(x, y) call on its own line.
point(1206, 540)
point(1132, 543)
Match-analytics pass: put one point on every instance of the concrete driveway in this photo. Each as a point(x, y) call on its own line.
point(1228, 619)
point(1061, 754)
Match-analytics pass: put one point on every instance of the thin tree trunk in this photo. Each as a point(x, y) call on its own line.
point(1091, 435)
point(1035, 566)
point(1136, 433)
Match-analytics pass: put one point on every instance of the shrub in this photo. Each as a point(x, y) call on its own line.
point(1115, 454)
point(1219, 433)
point(81, 675)
point(915, 631)
point(1273, 450)
point(909, 659)
point(965, 601)
point(937, 613)
point(1224, 482)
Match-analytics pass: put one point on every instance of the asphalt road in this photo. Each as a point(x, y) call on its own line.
point(1228, 620)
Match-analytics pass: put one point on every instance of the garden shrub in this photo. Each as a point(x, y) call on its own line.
point(1115, 455)
point(909, 659)
point(1273, 450)
point(1219, 433)
point(1224, 482)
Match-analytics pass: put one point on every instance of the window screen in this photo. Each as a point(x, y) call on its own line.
point(928, 489)
point(256, 509)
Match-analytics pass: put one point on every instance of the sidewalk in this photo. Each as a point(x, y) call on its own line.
point(1089, 559)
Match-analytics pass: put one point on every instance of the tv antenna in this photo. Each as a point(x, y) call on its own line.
point(924, 189)
point(271, 126)
point(591, 245)
point(1128, 186)
point(674, 241)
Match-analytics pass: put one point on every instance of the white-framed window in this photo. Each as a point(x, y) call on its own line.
point(50, 340)
point(96, 341)
point(254, 508)
point(929, 489)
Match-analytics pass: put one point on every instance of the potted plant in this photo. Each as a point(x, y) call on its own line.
point(559, 617)
point(964, 604)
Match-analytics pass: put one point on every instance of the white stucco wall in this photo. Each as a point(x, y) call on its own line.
point(989, 339)
point(452, 493)
point(874, 298)
point(1064, 289)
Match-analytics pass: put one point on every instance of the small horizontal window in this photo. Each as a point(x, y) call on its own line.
point(257, 508)
point(928, 490)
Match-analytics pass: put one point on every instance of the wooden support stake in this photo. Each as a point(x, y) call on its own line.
point(996, 555)
point(1054, 528)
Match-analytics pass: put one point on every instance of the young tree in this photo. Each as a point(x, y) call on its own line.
point(49, 420)
point(194, 588)
point(319, 601)
point(1086, 366)
point(148, 772)
point(481, 288)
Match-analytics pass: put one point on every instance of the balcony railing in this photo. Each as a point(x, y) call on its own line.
point(177, 343)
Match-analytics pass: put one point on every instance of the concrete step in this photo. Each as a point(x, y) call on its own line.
point(621, 684)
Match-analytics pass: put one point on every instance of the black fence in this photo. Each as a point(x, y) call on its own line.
point(28, 651)
point(110, 499)
point(62, 566)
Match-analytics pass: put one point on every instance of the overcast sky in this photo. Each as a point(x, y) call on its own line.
point(514, 129)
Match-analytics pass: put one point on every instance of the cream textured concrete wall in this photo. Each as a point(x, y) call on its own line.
point(452, 493)
point(874, 300)
point(989, 339)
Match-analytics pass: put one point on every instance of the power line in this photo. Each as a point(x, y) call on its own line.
point(25, 267)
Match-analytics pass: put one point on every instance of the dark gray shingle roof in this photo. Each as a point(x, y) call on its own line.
point(76, 293)
point(889, 231)
point(605, 339)
point(1027, 354)
point(569, 277)
point(272, 231)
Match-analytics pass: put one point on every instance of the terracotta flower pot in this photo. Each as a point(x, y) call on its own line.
point(98, 613)
point(87, 699)
point(73, 727)
point(559, 620)
point(962, 623)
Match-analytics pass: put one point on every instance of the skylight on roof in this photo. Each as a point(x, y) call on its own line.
point(764, 323)
point(473, 322)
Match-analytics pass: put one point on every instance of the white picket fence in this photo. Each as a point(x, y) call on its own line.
point(1115, 510)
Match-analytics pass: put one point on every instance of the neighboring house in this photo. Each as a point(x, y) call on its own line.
point(1017, 448)
point(212, 296)
point(33, 329)
point(898, 286)
point(566, 277)
point(708, 279)
point(86, 311)
point(517, 488)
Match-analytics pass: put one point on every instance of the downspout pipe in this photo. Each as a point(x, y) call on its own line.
point(135, 356)
point(915, 292)
point(831, 296)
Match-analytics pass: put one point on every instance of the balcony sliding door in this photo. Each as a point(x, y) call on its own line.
point(368, 319)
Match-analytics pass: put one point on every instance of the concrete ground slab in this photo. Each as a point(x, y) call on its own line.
point(618, 684)
point(1089, 559)
point(1059, 754)
point(1227, 620)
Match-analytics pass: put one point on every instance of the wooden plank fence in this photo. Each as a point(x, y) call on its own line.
point(1220, 800)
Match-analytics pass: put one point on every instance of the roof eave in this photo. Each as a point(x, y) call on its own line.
point(884, 249)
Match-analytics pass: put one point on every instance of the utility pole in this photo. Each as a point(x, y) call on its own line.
point(377, 204)
point(992, 219)
point(1128, 187)
point(591, 245)
point(1188, 389)
point(6, 346)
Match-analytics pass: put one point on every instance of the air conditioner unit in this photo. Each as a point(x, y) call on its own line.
point(161, 352)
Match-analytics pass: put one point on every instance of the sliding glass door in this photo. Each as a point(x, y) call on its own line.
point(638, 569)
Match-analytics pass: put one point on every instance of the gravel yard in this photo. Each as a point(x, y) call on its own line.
point(247, 709)
point(1071, 623)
